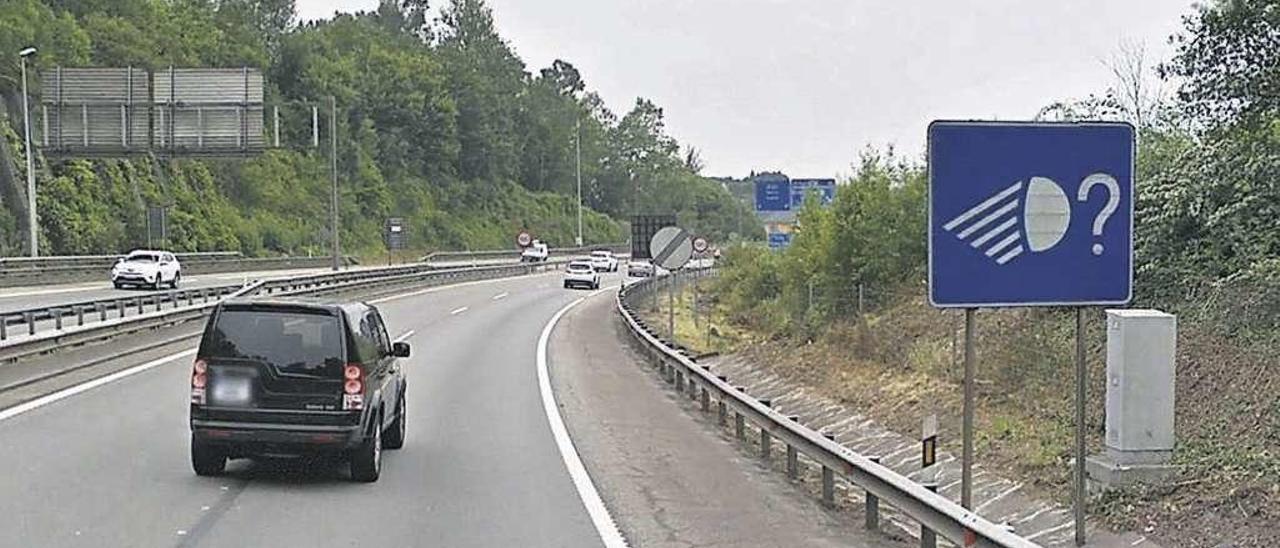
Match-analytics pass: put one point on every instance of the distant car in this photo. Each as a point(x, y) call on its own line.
point(604, 261)
point(639, 269)
point(293, 378)
point(537, 252)
point(581, 273)
point(146, 268)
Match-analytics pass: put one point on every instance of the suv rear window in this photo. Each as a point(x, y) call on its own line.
point(580, 267)
point(293, 342)
point(142, 258)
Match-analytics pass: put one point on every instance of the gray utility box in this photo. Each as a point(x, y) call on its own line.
point(1141, 349)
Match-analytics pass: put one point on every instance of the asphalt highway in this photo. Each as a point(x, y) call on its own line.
point(108, 465)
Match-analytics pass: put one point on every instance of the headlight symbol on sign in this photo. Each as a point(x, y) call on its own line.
point(1042, 212)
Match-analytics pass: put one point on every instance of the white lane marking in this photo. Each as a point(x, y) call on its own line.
point(42, 401)
point(605, 526)
point(380, 300)
point(404, 336)
point(500, 296)
point(1139, 541)
point(458, 310)
point(90, 385)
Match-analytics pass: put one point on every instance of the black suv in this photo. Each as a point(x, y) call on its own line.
point(296, 377)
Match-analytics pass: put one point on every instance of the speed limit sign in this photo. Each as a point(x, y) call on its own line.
point(699, 244)
point(523, 239)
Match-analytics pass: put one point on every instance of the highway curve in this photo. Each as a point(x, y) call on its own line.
point(109, 466)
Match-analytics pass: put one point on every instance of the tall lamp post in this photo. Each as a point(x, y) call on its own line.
point(33, 242)
point(577, 145)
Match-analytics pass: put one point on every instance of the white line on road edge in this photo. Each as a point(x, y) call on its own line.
point(605, 526)
point(406, 335)
point(500, 296)
point(458, 310)
point(71, 391)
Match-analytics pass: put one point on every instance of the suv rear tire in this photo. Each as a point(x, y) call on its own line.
point(207, 460)
point(395, 434)
point(366, 460)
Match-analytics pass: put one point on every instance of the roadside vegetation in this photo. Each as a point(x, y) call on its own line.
point(439, 122)
point(1207, 248)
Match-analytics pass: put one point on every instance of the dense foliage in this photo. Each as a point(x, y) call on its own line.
point(438, 122)
point(1208, 191)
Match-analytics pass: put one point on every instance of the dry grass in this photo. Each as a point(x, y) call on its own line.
point(904, 361)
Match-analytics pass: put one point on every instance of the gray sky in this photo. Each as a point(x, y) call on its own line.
point(803, 85)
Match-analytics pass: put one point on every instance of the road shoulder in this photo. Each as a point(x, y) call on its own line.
point(670, 477)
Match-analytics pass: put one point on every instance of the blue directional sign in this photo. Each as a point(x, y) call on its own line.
point(1030, 214)
point(773, 195)
point(801, 188)
point(779, 240)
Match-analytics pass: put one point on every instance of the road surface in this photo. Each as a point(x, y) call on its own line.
point(109, 466)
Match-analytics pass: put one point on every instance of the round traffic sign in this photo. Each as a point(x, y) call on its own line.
point(700, 244)
point(671, 247)
point(523, 239)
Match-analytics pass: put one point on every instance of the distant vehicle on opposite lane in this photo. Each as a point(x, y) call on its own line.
point(296, 377)
point(537, 252)
point(604, 261)
point(639, 268)
point(144, 267)
point(581, 273)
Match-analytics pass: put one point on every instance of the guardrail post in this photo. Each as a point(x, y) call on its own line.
point(828, 479)
point(706, 399)
point(793, 456)
point(102, 311)
point(79, 315)
point(766, 441)
point(739, 421)
point(4, 328)
point(873, 504)
point(31, 322)
point(159, 302)
point(139, 305)
point(929, 539)
point(57, 318)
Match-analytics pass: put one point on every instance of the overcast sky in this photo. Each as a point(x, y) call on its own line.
point(802, 85)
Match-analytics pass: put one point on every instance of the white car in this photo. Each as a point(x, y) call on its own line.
point(639, 269)
point(146, 268)
point(581, 274)
point(604, 261)
point(537, 252)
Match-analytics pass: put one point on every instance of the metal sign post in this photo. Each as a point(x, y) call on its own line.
point(1030, 214)
point(1078, 496)
point(671, 248)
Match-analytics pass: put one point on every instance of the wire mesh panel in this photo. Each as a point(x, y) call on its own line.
point(208, 111)
point(95, 110)
point(121, 111)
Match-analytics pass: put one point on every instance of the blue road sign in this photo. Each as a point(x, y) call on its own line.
point(779, 240)
point(773, 195)
point(800, 189)
point(1030, 214)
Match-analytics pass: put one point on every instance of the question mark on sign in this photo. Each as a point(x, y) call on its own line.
point(1113, 202)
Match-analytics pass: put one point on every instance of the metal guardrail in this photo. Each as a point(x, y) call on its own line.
point(151, 313)
point(933, 511)
point(105, 261)
point(513, 253)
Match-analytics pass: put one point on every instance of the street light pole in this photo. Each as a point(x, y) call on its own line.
point(33, 229)
point(577, 145)
point(333, 167)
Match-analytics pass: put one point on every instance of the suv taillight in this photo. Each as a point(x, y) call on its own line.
point(199, 378)
point(352, 387)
